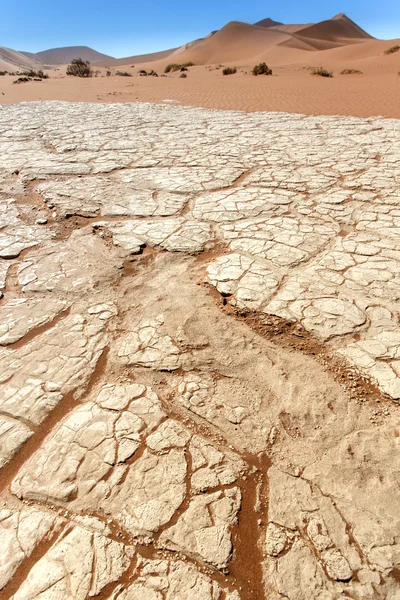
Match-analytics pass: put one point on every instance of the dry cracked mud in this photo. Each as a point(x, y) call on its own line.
point(199, 354)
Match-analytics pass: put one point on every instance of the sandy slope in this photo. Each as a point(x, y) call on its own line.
point(10, 60)
point(61, 56)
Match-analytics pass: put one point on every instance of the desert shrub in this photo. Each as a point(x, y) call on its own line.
point(143, 73)
point(392, 49)
point(123, 74)
point(321, 72)
point(188, 64)
point(21, 80)
point(229, 71)
point(3, 73)
point(171, 68)
point(152, 74)
point(261, 69)
point(79, 68)
point(108, 73)
point(351, 72)
point(183, 68)
point(182, 76)
point(38, 74)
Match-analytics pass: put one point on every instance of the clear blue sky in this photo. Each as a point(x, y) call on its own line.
point(127, 27)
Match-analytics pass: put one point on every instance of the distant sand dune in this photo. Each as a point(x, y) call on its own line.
point(11, 60)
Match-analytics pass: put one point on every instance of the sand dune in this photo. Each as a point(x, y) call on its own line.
point(240, 42)
point(11, 60)
point(294, 28)
point(338, 29)
point(267, 23)
point(131, 60)
point(62, 56)
point(234, 42)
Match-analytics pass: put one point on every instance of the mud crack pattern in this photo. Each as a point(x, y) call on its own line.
point(153, 446)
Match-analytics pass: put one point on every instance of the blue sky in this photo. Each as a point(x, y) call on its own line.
point(127, 27)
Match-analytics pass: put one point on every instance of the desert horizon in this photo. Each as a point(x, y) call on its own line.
point(364, 80)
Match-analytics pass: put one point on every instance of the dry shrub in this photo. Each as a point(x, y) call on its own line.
point(229, 71)
point(79, 68)
point(392, 49)
point(351, 72)
point(261, 69)
point(321, 72)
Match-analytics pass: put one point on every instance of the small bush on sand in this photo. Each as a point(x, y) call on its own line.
point(229, 71)
point(171, 68)
point(392, 49)
point(21, 80)
point(123, 74)
point(351, 72)
point(79, 68)
point(108, 73)
point(321, 72)
point(143, 73)
point(3, 73)
point(152, 74)
point(35, 74)
point(261, 69)
point(182, 76)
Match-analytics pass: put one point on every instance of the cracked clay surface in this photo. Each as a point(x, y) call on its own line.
point(199, 354)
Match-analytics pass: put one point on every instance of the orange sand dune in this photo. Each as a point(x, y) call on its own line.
point(133, 60)
point(295, 28)
point(339, 28)
point(241, 42)
point(370, 49)
point(234, 42)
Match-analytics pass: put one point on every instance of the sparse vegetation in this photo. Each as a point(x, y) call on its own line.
point(321, 72)
point(79, 68)
point(108, 73)
point(182, 76)
point(21, 80)
point(123, 74)
point(172, 67)
point(229, 71)
point(261, 69)
point(351, 72)
point(152, 74)
point(143, 73)
point(3, 73)
point(392, 49)
point(35, 74)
